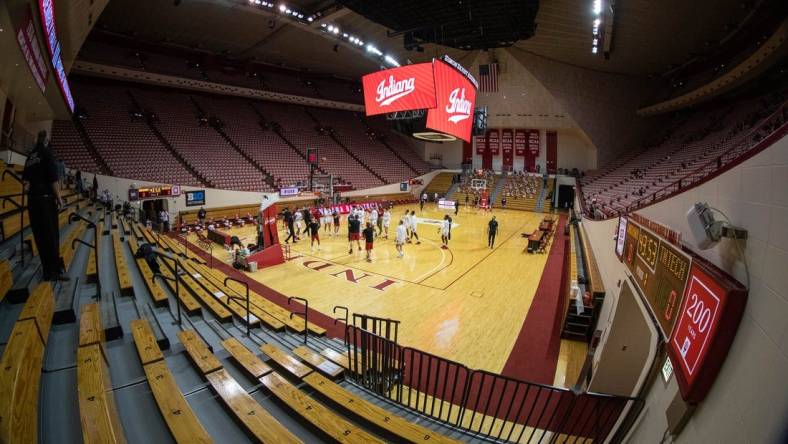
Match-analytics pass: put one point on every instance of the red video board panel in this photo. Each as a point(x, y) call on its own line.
point(456, 101)
point(707, 323)
point(399, 89)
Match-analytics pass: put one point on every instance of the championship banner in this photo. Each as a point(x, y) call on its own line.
point(399, 89)
point(28, 44)
point(506, 141)
point(533, 142)
point(481, 143)
point(456, 96)
point(520, 138)
point(494, 142)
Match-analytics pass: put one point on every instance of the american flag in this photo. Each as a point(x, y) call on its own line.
point(488, 78)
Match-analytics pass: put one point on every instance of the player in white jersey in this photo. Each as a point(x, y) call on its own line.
point(386, 222)
point(373, 218)
point(445, 229)
point(402, 237)
point(413, 224)
point(326, 220)
point(299, 219)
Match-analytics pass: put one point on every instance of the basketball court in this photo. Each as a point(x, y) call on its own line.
point(467, 303)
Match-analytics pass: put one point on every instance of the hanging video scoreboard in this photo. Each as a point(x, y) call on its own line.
point(697, 306)
point(660, 270)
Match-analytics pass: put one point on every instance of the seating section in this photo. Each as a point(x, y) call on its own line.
point(20, 368)
point(440, 184)
point(699, 144)
point(123, 121)
point(256, 419)
point(466, 193)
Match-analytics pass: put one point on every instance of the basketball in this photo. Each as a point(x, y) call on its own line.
point(181, 262)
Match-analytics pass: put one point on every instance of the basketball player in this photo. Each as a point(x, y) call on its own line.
point(444, 230)
point(413, 224)
point(369, 237)
point(406, 220)
point(353, 233)
point(314, 230)
point(307, 218)
point(299, 217)
point(402, 236)
point(380, 221)
point(386, 220)
point(492, 230)
point(326, 221)
point(336, 222)
point(373, 218)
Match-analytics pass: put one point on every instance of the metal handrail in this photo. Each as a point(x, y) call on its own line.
point(20, 206)
point(177, 290)
point(347, 314)
point(305, 314)
point(13, 174)
point(95, 261)
point(246, 285)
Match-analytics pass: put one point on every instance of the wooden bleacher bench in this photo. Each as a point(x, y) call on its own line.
point(309, 409)
point(185, 298)
point(181, 420)
point(190, 288)
point(220, 213)
point(255, 418)
point(66, 252)
point(336, 357)
point(318, 362)
point(20, 368)
point(6, 278)
point(90, 331)
point(124, 278)
point(11, 224)
point(92, 271)
point(154, 288)
point(285, 361)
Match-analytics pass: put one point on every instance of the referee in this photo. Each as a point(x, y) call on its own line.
point(43, 202)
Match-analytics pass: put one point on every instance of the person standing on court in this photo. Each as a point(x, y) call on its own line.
point(492, 230)
point(456, 207)
point(201, 216)
point(43, 199)
point(289, 220)
point(423, 200)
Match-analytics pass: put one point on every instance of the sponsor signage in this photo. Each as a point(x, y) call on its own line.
point(47, 10)
point(493, 142)
point(290, 191)
point(195, 198)
point(707, 323)
point(507, 141)
point(399, 89)
point(28, 43)
point(481, 143)
point(445, 204)
point(456, 98)
point(533, 142)
point(520, 140)
point(154, 192)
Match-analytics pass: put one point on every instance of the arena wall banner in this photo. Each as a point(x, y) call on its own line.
point(507, 141)
point(520, 141)
point(399, 89)
point(456, 97)
point(494, 142)
point(533, 142)
point(481, 143)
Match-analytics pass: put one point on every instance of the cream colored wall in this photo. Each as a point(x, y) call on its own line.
point(748, 402)
point(394, 187)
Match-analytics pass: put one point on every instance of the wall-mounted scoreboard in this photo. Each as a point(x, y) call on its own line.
point(697, 306)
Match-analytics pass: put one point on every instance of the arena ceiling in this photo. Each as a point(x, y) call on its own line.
point(648, 36)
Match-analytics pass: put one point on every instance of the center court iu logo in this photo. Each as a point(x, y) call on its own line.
point(388, 94)
point(458, 108)
point(372, 281)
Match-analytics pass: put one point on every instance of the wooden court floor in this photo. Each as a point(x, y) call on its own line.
point(466, 303)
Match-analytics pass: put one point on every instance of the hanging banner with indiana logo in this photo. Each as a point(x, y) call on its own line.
point(507, 142)
point(494, 142)
point(481, 143)
point(520, 141)
point(399, 89)
point(456, 97)
point(533, 142)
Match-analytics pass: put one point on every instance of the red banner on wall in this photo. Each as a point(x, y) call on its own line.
point(28, 44)
point(481, 143)
point(399, 89)
point(456, 97)
point(494, 142)
point(533, 142)
point(520, 139)
point(507, 142)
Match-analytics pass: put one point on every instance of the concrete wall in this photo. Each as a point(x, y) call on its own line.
point(748, 401)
